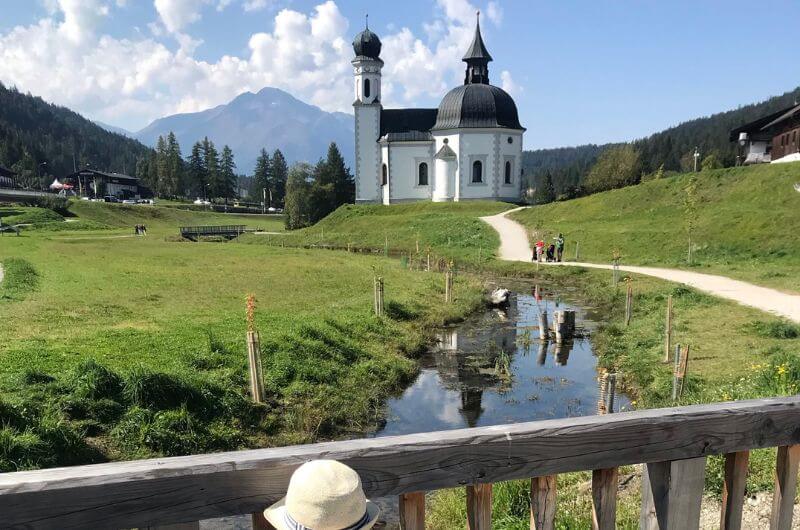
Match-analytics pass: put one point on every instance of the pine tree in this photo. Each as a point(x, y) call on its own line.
point(546, 191)
point(196, 171)
point(298, 194)
point(161, 167)
point(279, 173)
point(174, 166)
point(227, 173)
point(212, 171)
point(261, 178)
point(333, 185)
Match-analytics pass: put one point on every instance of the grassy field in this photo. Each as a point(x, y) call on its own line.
point(124, 347)
point(449, 230)
point(747, 224)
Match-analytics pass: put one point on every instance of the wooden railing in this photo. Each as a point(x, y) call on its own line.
point(673, 443)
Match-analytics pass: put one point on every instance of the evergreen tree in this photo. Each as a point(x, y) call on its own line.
point(333, 185)
point(174, 164)
point(279, 173)
point(261, 178)
point(196, 171)
point(545, 192)
point(227, 173)
point(162, 169)
point(298, 195)
point(213, 180)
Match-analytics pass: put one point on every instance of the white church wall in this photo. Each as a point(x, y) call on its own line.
point(404, 159)
point(453, 141)
point(478, 146)
point(367, 125)
point(511, 152)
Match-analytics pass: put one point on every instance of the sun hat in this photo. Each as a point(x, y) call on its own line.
point(323, 495)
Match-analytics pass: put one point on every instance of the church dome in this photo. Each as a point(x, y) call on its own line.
point(367, 44)
point(477, 105)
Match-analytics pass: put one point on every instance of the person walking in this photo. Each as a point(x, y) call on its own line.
point(539, 250)
point(559, 247)
point(323, 495)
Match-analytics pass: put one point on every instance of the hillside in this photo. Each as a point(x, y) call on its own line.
point(271, 119)
point(746, 227)
point(568, 166)
point(33, 132)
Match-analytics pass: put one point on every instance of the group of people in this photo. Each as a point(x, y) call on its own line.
point(554, 252)
point(140, 230)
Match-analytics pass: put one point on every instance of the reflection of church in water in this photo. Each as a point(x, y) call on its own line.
point(467, 361)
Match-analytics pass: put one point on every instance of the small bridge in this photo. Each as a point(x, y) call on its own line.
point(673, 444)
point(227, 231)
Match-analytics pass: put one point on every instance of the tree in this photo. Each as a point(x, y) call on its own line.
point(227, 173)
point(615, 168)
point(279, 172)
point(196, 171)
point(174, 167)
point(333, 185)
point(711, 162)
point(213, 180)
point(161, 166)
point(261, 178)
point(545, 192)
point(298, 194)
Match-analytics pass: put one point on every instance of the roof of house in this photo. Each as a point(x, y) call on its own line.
point(105, 174)
point(407, 125)
point(785, 116)
point(762, 123)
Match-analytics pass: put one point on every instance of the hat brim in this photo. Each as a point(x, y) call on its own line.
point(275, 515)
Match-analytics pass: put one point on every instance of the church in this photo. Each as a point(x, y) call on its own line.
point(469, 148)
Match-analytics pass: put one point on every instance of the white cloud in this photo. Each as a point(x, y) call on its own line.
point(495, 13)
point(255, 5)
point(508, 84)
point(66, 58)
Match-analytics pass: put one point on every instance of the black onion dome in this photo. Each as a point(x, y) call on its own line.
point(367, 44)
point(477, 106)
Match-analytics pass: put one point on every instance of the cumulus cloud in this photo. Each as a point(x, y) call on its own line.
point(255, 5)
point(134, 80)
point(508, 84)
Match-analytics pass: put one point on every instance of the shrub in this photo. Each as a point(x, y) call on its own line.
point(92, 380)
point(774, 329)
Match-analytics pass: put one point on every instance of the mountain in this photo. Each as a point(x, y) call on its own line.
point(114, 129)
point(271, 119)
point(568, 166)
point(38, 138)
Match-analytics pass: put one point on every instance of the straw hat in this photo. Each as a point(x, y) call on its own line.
point(323, 495)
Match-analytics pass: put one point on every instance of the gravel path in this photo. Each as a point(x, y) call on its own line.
point(515, 247)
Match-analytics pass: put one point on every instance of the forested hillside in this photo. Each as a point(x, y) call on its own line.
point(671, 148)
point(34, 132)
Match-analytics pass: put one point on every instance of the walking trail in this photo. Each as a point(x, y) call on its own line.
point(514, 246)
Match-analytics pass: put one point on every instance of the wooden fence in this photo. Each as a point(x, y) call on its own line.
point(673, 443)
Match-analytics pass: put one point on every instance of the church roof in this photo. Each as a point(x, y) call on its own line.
point(367, 44)
point(477, 106)
point(407, 125)
point(477, 50)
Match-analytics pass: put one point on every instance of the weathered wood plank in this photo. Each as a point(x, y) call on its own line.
point(178, 526)
point(672, 493)
point(479, 507)
point(543, 502)
point(785, 487)
point(604, 498)
point(412, 511)
point(168, 490)
point(733, 490)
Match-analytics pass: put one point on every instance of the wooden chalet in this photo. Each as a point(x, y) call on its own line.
point(772, 138)
point(91, 182)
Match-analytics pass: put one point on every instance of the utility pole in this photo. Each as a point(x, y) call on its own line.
point(263, 200)
point(696, 158)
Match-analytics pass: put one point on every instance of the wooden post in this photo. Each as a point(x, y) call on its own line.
point(479, 507)
point(544, 332)
point(672, 493)
point(412, 511)
point(577, 246)
point(563, 324)
point(602, 394)
point(428, 267)
point(611, 393)
point(682, 369)
point(668, 330)
point(675, 367)
point(785, 487)
point(254, 363)
point(448, 286)
point(417, 244)
point(378, 295)
point(604, 498)
point(628, 304)
point(543, 502)
point(733, 490)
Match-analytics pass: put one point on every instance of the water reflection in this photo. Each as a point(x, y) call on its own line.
point(494, 369)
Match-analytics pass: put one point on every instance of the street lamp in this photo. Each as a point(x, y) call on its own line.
point(696, 158)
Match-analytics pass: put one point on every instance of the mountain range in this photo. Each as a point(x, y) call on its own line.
point(270, 119)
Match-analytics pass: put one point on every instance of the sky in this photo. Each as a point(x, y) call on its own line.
point(581, 71)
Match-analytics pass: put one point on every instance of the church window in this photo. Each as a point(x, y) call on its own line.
point(366, 88)
point(423, 174)
point(477, 172)
point(384, 175)
point(508, 172)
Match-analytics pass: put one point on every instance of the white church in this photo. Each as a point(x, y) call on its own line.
point(469, 148)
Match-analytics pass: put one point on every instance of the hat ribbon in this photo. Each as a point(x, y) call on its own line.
point(294, 525)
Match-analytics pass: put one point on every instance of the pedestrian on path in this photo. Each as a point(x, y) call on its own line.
point(539, 250)
point(559, 247)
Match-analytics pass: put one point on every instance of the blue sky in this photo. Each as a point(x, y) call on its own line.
point(580, 71)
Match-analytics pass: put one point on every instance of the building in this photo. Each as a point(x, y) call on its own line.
point(92, 183)
point(470, 147)
point(772, 138)
point(6, 177)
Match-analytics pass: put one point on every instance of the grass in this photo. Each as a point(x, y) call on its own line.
point(745, 228)
point(450, 230)
point(116, 348)
point(27, 215)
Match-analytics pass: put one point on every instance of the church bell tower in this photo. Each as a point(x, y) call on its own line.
point(367, 72)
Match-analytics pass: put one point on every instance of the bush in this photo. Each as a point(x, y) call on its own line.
point(92, 380)
point(774, 329)
point(51, 202)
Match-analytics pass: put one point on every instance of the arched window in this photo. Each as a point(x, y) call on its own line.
point(384, 175)
point(477, 172)
point(366, 88)
point(423, 174)
point(508, 172)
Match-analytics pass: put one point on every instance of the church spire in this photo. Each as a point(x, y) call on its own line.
point(477, 58)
